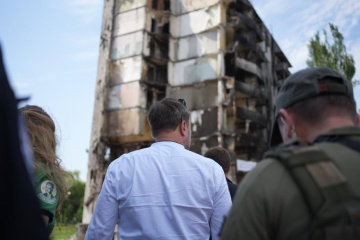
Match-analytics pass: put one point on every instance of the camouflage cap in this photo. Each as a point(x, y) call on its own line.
point(303, 85)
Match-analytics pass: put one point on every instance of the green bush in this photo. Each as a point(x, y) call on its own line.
point(63, 231)
point(72, 208)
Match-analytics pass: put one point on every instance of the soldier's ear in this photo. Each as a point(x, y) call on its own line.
point(288, 122)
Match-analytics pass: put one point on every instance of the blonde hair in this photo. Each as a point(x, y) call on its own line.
point(41, 130)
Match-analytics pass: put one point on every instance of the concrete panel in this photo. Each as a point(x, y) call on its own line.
point(204, 122)
point(127, 95)
point(196, 70)
point(248, 66)
point(201, 145)
point(127, 122)
point(129, 22)
point(197, 45)
point(126, 5)
point(130, 45)
point(197, 21)
point(197, 97)
point(179, 7)
point(249, 114)
point(126, 70)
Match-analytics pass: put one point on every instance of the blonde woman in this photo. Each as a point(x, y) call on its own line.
point(51, 187)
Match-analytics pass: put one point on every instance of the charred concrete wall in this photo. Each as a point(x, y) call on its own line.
point(216, 54)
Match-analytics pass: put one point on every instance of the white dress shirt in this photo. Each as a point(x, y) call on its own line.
point(161, 192)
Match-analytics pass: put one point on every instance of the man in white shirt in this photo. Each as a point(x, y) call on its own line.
point(164, 191)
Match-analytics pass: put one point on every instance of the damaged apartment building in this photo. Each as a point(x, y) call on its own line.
point(216, 54)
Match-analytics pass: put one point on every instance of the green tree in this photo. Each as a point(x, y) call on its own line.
point(72, 208)
point(333, 55)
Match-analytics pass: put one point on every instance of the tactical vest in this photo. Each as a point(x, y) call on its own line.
point(333, 206)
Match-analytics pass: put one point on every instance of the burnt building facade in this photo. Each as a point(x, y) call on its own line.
point(216, 54)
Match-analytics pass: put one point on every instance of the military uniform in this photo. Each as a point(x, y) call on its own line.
point(269, 205)
point(273, 202)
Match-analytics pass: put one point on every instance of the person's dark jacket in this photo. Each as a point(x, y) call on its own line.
point(21, 211)
point(232, 188)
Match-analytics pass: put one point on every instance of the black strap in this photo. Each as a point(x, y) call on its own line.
point(347, 141)
point(351, 143)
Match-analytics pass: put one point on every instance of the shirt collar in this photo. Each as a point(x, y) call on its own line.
point(168, 143)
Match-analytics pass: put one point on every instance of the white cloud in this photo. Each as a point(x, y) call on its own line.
point(302, 22)
point(87, 10)
point(298, 57)
point(317, 14)
point(345, 15)
point(272, 8)
point(355, 49)
point(297, 22)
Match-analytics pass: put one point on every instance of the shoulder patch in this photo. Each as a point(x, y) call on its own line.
point(48, 192)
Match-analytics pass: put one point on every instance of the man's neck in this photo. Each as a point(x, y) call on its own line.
point(169, 138)
point(310, 133)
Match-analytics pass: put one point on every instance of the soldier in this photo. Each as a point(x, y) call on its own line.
point(306, 188)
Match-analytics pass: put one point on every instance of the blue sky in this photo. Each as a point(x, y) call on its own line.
point(51, 52)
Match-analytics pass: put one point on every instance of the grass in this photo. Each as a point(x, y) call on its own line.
point(63, 231)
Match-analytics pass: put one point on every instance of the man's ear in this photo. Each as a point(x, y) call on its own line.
point(183, 128)
point(289, 126)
